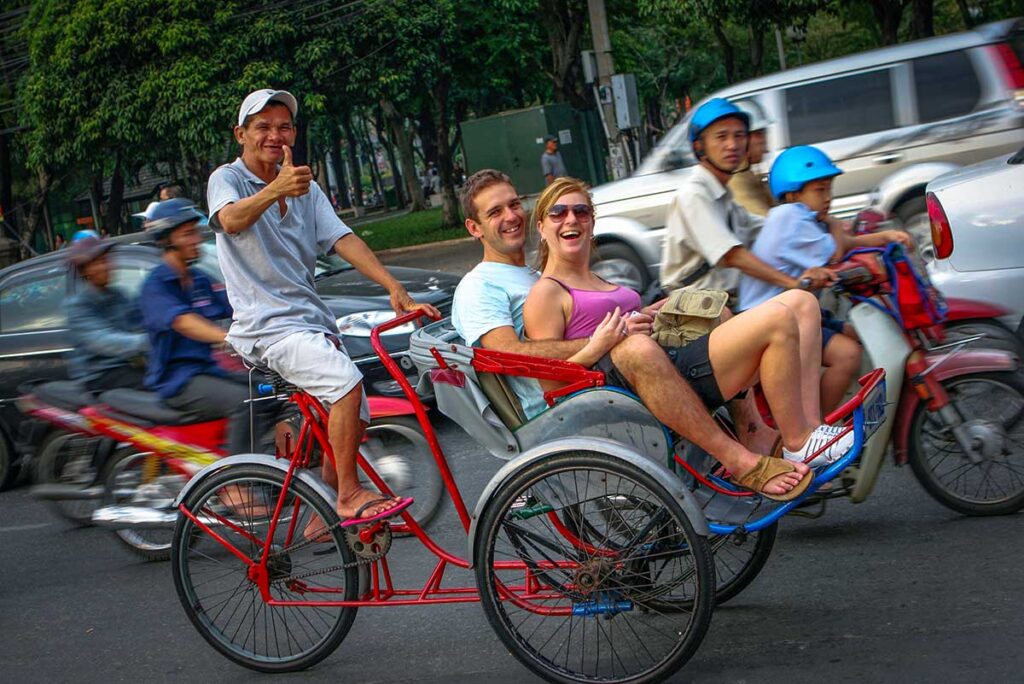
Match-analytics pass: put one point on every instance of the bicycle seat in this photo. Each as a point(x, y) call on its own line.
point(148, 406)
point(65, 394)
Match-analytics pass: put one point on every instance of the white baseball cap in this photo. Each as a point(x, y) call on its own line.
point(255, 101)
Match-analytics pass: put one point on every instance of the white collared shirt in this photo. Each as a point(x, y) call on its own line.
point(704, 223)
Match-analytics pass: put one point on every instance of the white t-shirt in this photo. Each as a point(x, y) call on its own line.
point(491, 296)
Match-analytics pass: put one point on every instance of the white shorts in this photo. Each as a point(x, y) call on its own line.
point(307, 359)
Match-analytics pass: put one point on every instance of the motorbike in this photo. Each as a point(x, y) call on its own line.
point(954, 402)
point(119, 459)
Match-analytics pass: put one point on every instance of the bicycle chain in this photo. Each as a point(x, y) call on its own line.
point(361, 559)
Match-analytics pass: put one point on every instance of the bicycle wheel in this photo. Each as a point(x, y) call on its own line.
point(398, 451)
point(587, 609)
point(739, 558)
point(992, 408)
point(214, 585)
point(143, 479)
point(66, 458)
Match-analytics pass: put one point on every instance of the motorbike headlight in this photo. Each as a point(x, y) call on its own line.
point(362, 323)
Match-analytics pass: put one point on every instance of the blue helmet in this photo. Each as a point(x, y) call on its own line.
point(798, 166)
point(84, 233)
point(713, 110)
point(163, 217)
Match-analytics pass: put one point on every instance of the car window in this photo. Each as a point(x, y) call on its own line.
point(34, 300)
point(946, 86)
point(672, 152)
point(840, 108)
point(127, 277)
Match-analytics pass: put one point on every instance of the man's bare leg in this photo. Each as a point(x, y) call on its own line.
point(751, 429)
point(672, 401)
point(345, 431)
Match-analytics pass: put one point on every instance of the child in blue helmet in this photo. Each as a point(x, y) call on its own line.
point(795, 238)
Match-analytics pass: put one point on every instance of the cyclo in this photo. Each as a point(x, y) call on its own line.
point(592, 558)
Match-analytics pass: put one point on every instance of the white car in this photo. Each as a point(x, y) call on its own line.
point(977, 222)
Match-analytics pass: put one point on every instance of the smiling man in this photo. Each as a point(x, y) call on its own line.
point(272, 220)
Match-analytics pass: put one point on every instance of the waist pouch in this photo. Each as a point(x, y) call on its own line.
point(688, 315)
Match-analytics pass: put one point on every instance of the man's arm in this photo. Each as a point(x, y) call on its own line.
point(97, 335)
point(195, 327)
point(505, 339)
point(352, 249)
point(291, 181)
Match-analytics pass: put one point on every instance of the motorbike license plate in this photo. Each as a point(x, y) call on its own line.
point(874, 409)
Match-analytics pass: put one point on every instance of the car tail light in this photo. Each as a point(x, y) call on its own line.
point(942, 236)
point(1013, 72)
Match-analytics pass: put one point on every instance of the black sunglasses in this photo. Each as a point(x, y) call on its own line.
point(558, 212)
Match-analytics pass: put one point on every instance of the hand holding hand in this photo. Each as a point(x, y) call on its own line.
point(292, 181)
point(608, 333)
point(639, 323)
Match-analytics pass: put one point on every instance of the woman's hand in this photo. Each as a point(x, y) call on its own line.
point(609, 333)
point(900, 237)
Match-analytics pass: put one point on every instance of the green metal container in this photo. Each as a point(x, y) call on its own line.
point(514, 141)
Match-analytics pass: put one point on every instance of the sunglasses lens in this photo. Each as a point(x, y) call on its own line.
point(582, 211)
point(558, 211)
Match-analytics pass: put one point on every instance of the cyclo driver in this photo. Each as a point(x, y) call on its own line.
point(271, 222)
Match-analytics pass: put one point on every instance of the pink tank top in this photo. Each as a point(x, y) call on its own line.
point(590, 306)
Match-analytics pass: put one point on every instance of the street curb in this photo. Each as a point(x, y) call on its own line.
point(425, 245)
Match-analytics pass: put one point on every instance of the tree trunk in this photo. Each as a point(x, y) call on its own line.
point(426, 128)
point(7, 213)
point(339, 168)
point(727, 51)
point(888, 14)
point(449, 203)
point(389, 149)
point(371, 156)
point(922, 19)
point(115, 200)
point(965, 14)
point(96, 199)
point(756, 50)
point(403, 141)
point(354, 171)
point(35, 217)
point(565, 21)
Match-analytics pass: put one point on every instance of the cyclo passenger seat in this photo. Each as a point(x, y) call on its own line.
point(144, 408)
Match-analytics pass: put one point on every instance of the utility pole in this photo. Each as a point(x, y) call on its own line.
point(605, 69)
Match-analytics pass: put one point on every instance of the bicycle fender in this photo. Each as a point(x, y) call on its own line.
point(319, 486)
point(966, 362)
point(612, 449)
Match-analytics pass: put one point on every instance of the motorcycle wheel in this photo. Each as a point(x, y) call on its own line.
point(66, 458)
point(992, 408)
point(997, 335)
point(146, 480)
point(398, 451)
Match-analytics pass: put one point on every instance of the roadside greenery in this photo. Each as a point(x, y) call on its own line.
point(415, 228)
point(95, 92)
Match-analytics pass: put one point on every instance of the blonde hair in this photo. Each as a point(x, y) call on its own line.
point(559, 187)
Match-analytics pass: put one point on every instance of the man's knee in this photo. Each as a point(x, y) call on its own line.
point(843, 352)
point(637, 351)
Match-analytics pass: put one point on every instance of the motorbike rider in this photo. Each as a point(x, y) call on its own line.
point(749, 189)
point(795, 238)
point(105, 328)
point(180, 307)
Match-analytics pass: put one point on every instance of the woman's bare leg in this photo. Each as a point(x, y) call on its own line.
point(805, 307)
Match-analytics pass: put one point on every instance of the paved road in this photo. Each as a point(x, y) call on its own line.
point(894, 590)
point(452, 256)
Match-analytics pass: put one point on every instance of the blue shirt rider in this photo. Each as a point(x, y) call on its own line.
point(179, 305)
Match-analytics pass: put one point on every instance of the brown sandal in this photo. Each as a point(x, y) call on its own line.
point(768, 468)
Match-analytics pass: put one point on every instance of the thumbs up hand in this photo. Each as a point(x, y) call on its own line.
point(291, 181)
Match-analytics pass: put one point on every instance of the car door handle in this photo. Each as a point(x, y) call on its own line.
point(887, 158)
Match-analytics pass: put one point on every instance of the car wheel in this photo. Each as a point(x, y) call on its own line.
point(8, 471)
point(619, 264)
point(914, 215)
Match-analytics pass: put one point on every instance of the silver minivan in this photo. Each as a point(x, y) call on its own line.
point(893, 119)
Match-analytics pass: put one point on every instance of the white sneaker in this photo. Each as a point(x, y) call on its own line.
point(822, 435)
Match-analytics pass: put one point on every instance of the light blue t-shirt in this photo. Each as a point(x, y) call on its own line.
point(491, 296)
point(791, 240)
point(269, 268)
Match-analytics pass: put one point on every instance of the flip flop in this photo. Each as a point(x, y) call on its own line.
point(357, 519)
point(768, 468)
